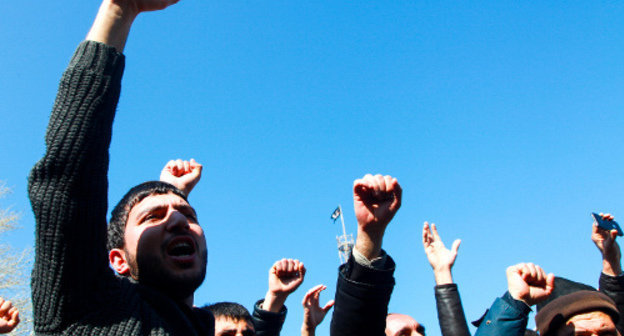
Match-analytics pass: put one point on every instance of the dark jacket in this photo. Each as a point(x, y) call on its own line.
point(450, 311)
point(362, 296)
point(267, 323)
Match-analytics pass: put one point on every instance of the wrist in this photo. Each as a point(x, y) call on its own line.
point(274, 302)
point(307, 330)
point(611, 268)
point(369, 243)
point(443, 276)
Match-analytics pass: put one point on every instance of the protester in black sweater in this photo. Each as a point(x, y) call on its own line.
point(156, 245)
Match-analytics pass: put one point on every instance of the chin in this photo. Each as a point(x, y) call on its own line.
point(178, 284)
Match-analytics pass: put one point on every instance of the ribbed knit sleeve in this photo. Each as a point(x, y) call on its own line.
point(68, 190)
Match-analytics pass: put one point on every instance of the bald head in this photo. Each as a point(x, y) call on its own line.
point(403, 325)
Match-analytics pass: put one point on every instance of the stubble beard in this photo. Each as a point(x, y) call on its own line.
point(148, 270)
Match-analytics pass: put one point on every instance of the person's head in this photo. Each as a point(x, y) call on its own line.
point(155, 238)
point(582, 313)
point(403, 325)
point(231, 319)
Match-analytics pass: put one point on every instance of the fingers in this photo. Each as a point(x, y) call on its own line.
point(380, 187)
point(289, 268)
point(426, 235)
point(312, 296)
point(5, 307)
point(434, 231)
point(550, 283)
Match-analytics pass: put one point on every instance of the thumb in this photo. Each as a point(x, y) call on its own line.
point(328, 306)
point(455, 246)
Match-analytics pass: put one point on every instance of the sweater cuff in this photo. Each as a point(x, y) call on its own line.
point(97, 57)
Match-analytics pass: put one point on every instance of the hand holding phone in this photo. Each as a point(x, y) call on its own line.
point(607, 223)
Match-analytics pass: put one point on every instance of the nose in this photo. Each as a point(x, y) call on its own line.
point(177, 221)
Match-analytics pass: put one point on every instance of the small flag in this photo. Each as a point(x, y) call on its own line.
point(335, 214)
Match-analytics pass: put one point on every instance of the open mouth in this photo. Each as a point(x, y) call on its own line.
point(181, 249)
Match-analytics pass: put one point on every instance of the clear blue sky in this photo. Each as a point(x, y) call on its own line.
point(502, 121)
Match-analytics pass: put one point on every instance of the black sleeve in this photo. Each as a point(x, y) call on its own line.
point(450, 311)
point(362, 296)
point(268, 323)
point(613, 287)
point(68, 189)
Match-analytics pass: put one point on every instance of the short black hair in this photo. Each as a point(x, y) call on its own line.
point(119, 216)
point(231, 310)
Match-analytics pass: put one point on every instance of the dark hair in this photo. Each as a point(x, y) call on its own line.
point(231, 310)
point(119, 216)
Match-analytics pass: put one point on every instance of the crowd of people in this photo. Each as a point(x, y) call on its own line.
point(137, 274)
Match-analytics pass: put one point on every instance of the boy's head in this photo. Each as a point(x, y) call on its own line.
point(155, 238)
point(231, 319)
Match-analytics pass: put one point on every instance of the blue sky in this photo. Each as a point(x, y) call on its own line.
point(501, 120)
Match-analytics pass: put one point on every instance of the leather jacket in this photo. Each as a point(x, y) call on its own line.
point(450, 311)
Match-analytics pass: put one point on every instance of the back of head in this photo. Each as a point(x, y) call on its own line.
point(229, 310)
point(119, 216)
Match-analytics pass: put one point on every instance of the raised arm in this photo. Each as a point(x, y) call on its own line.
point(365, 281)
point(450, 311)
point(285, 276)
point(611, 278)
point(313, 313)
point(183, 174)
point(68, 186)
point(528, 285)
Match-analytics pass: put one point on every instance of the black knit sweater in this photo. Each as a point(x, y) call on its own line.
point(74, 291)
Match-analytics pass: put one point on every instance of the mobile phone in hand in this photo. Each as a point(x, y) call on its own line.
point(607, 224)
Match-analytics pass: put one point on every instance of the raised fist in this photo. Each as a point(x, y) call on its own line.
point(285, 276)
point(376, 199)
point(313, 313)
point(9, 316)
point(529, 283)
point(184, 175)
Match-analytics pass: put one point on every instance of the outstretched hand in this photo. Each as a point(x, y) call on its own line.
point(285, 276)
point(440, 258)
point(184, 175)
point(608, 246)
point(529, 283)
point(376, 199)
point(9, 316)
point(313, 313)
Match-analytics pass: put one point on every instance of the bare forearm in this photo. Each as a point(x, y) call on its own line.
point(369, 243)
point(273, 302)
point(112, 23)
point(306, 331)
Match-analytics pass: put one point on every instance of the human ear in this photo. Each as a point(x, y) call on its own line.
point(117, 259)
